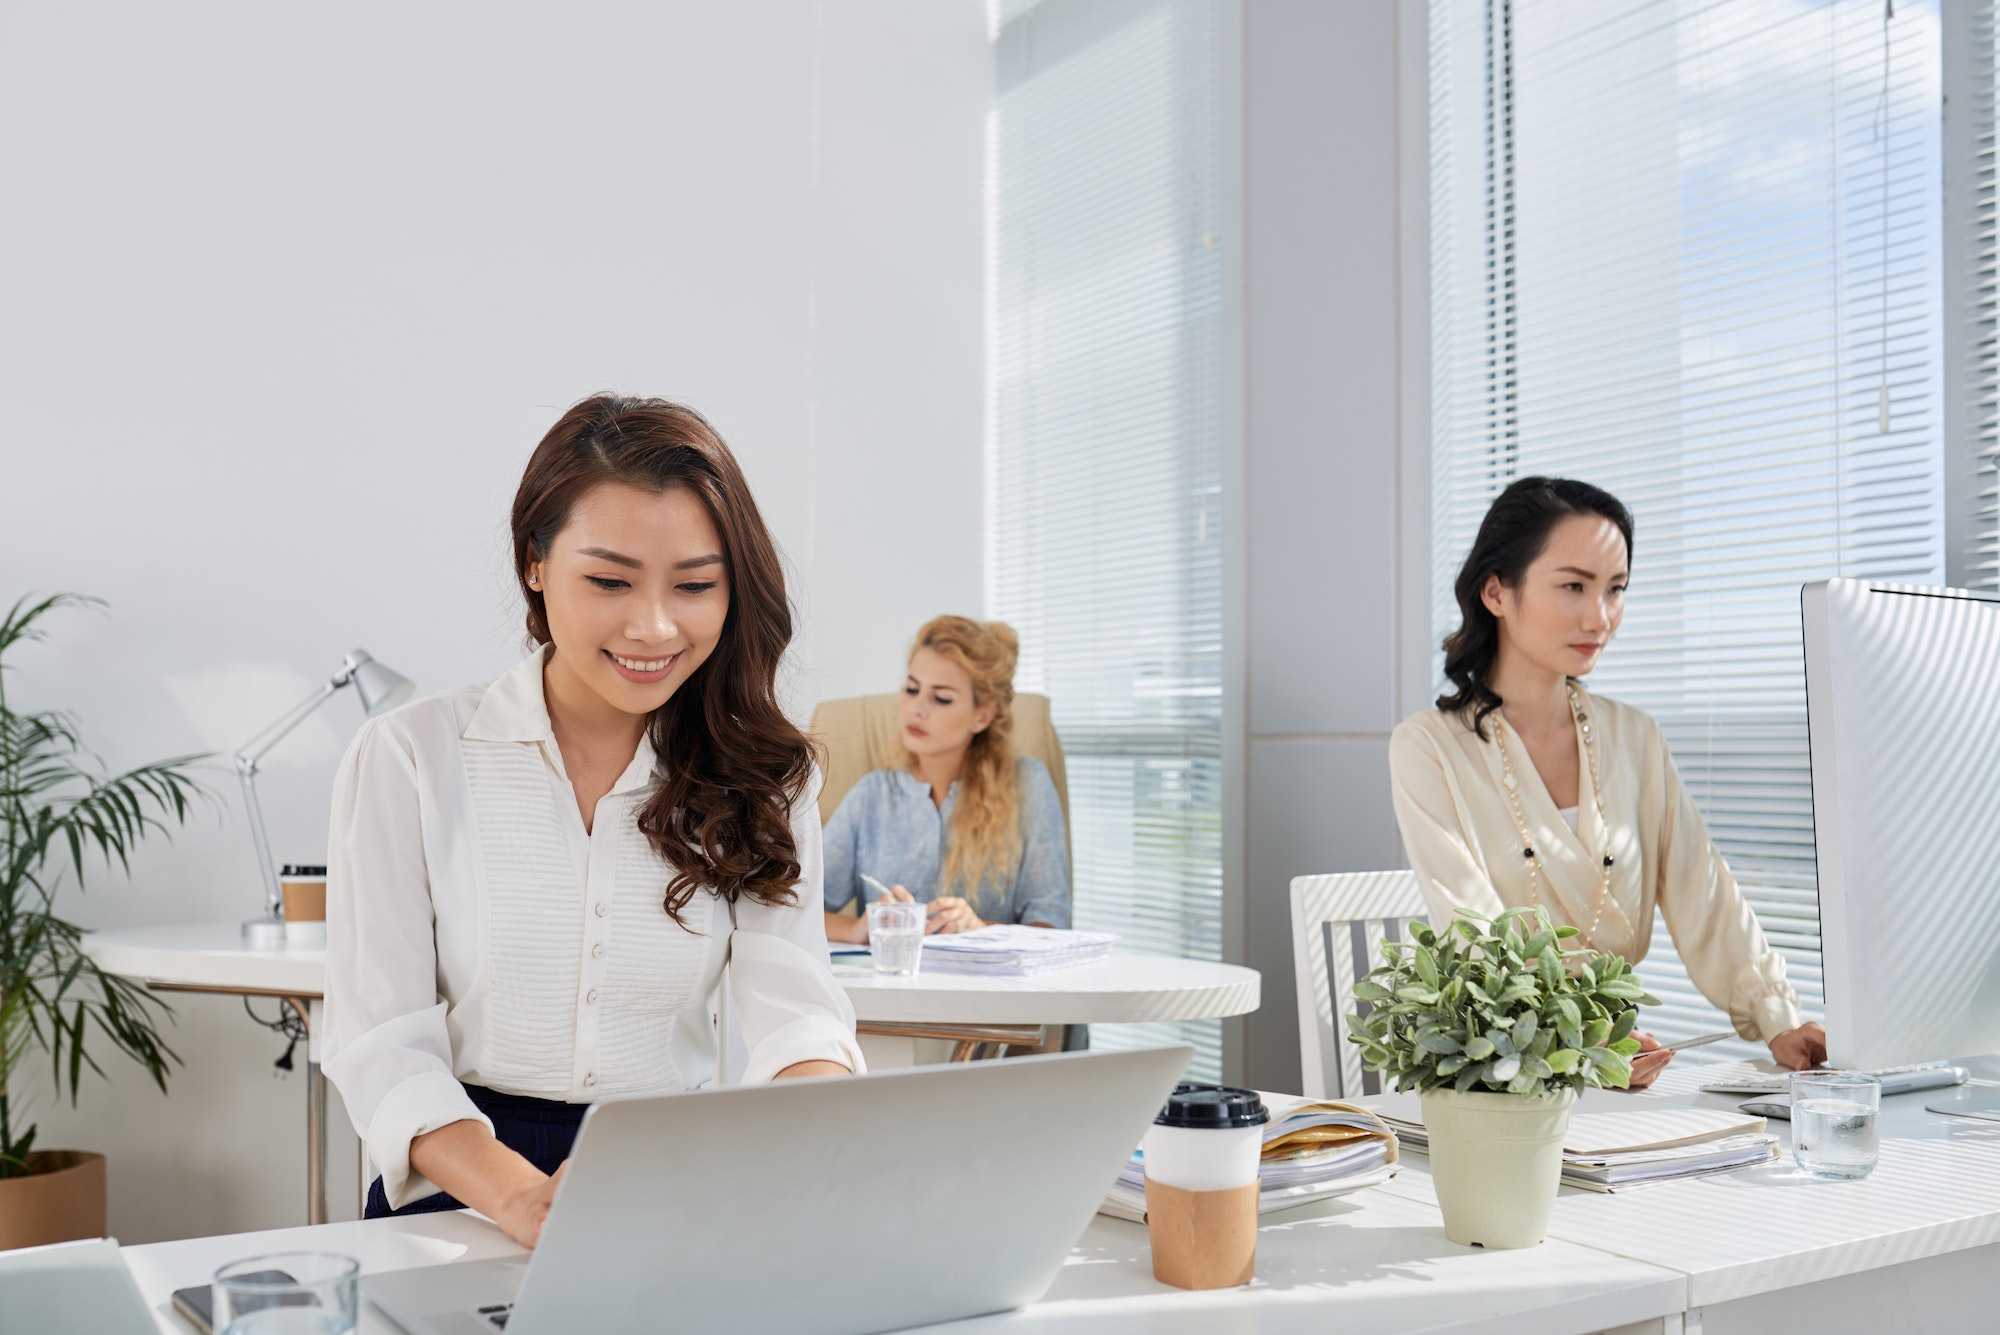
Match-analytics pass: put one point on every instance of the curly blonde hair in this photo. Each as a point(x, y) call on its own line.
point(986, 824)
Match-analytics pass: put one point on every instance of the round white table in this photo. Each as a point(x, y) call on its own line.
point(973, 1012)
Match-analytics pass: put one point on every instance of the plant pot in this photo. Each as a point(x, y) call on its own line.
point(1496, 1161)
point(61, 1200)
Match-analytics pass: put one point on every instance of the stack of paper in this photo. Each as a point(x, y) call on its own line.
point(1012, 949)
point(1613, 1148)
point(1312, 1150)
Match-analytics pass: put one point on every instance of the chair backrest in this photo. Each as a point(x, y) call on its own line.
point(1338, 925)
point(864, 732)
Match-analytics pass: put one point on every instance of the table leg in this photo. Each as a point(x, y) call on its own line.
point(315, 1144)
point(315, 1115)
point(970, 1040)
point(308, 1009)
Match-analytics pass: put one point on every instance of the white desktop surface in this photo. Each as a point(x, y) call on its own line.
point(1935, 1192)
point(1369, 1262)
point(1122, 989)
point(208, 954)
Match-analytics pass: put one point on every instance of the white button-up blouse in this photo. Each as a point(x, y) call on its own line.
point(476, 933)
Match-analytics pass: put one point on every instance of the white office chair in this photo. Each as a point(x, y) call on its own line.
point(1338, 926)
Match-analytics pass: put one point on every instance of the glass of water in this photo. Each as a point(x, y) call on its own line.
point(1836, 1119)
point(287, 1293)
point(896, 935)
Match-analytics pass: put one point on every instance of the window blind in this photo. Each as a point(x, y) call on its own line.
point(1104, 469)
point(1984, 382)
point(1690, 252)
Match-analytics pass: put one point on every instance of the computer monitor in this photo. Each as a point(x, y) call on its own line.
point(1903, 705)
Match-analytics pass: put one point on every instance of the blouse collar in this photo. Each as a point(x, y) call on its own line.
point(913, 783)
point(514, 709)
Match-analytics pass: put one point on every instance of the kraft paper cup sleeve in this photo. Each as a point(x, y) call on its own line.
point(1202, 1239)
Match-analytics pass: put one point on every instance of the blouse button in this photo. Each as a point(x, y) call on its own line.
point(602, 909)
point(597, 951)
point(590, 997)
point(589, 1080)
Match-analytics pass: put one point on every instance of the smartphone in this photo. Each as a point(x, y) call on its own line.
point(197, 1304)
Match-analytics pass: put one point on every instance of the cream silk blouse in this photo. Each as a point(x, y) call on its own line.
point(477, 933)
point(1463, 841)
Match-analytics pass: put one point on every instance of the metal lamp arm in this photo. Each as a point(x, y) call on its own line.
point(255, 750)
point(259, 746)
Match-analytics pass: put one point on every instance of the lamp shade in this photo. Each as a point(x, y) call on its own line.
point(379, 686)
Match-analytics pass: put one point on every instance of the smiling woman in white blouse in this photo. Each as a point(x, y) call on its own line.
point(1521, 788)
point(535, 886)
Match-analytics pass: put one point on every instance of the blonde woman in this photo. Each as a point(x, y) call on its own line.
point(962, 824)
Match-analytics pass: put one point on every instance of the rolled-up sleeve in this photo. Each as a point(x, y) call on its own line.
point(788, 1004)
point(386, 1047)
point(1044, 893)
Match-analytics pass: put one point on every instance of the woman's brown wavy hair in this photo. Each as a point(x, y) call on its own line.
point(731, 766)
point(986, 824)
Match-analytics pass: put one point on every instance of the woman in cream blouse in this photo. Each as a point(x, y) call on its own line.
point(534, 887)
point(1521, 788)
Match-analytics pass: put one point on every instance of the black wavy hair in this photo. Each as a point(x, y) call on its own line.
point(1512, 535)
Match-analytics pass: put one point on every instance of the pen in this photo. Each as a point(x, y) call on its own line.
point(1699, 1042)
point(879, 888)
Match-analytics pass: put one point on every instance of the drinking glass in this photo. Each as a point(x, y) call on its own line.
point(896, 935)
point(287, 1293)
point(1835, 1122)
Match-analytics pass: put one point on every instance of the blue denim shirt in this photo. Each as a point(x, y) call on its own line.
point(888, 828)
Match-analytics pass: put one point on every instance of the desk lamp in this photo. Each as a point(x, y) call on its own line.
point(380, 689)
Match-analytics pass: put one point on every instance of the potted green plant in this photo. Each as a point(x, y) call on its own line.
point(1498, 1026)
point(58, 810)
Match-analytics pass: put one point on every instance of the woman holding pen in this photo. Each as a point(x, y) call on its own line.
point(962, 824)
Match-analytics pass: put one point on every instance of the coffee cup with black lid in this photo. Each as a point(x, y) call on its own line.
point(1201, 1154)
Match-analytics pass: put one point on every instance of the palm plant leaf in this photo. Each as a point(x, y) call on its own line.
point(58, 812)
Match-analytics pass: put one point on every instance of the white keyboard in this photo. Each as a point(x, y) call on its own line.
point(1895, 1079)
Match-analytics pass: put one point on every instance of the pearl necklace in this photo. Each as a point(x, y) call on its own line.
point(1513, 787)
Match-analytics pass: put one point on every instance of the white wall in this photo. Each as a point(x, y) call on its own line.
point(289, 294)
point(1334, 464)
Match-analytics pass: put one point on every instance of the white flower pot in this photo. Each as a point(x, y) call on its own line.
point(1496, 1161)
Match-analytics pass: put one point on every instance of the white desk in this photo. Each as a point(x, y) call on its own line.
point(210, 957)
point(1371, 1262)
point(1124, 989)
point(1913, 1247)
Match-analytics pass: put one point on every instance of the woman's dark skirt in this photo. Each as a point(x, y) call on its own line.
point(539, 1130)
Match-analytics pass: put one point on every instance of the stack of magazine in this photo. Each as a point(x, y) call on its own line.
point(1009, 949)
point(1312, 1150)
point(1616, 1148)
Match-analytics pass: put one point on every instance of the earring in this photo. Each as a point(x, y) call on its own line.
point(532, 583)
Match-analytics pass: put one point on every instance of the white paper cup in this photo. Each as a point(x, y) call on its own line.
point(1203, 1158)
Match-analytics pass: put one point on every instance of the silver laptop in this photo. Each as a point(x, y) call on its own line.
point(71, 1288)
point(834, 1206)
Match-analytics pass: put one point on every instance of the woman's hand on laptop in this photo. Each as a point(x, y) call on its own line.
point(464, 1159)
point(527, 1209)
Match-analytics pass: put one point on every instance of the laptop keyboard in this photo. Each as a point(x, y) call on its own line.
point(498, 1314)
